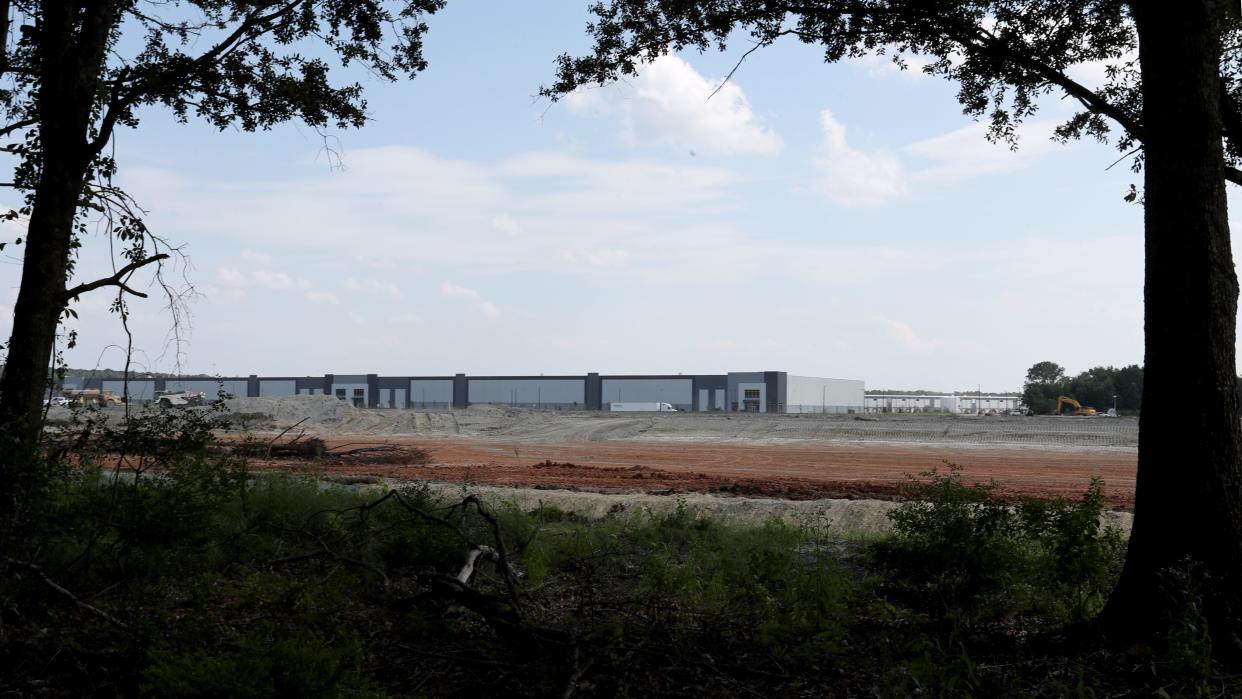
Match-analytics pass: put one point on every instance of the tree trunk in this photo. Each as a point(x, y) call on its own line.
point(1188, 502)
point(69, 72)
point(40, 302)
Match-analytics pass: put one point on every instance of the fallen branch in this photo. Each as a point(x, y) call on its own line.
point(283, 433)
point(467, 570)
point(315, 449)
point(66, 593)
point(575, 677)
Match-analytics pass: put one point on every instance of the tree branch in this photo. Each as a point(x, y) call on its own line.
point(1233, 174)
point(66, 593)
point(116, 279)
point(10, 128)
point(1231, 116)
point(124, 97)
point(983, 41)
point(5, 6)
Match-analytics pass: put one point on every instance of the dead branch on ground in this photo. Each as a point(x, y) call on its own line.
point(66, 593)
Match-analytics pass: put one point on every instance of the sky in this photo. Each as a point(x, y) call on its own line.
point(841, 220)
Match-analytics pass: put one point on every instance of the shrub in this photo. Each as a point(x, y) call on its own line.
point(265, 662)
point(962, 556)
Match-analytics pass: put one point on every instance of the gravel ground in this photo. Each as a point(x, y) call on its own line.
point(326, 415)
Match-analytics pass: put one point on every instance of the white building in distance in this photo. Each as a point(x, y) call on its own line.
point(959, 404)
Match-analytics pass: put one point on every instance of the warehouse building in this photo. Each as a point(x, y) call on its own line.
point(758, 392)
point(962, 404)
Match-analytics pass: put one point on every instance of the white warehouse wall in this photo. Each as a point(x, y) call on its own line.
point(811, 394)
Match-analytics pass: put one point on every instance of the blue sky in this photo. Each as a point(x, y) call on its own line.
point(837, 220)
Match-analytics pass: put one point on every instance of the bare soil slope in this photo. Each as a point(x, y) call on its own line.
point(793, 457)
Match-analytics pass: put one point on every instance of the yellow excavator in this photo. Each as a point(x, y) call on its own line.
point(1078, 409)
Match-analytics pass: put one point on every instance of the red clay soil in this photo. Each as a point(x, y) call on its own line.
point(782, 471)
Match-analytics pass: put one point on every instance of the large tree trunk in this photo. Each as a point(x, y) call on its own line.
point(69, 73)
point(1188, 503)
point(40, 302)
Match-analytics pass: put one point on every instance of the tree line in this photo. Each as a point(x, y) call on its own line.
point(1100, 387)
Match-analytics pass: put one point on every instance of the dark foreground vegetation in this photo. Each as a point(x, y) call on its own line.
point(179, 573)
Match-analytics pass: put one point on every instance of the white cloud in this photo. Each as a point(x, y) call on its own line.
point(374, 262)
point(474, 297)
point(264, 279)
point(406, 319)
point(322, 297)
point(855, 177)
point(667, 104)
point(597, 258)
point(256, 257)
point(229, 276)
point(373, 287)
point(906, 338)
point(878, 66)
point(965, 153)
point(851, 176)
point(451, 289)
point(505, 224)
point(278, 280)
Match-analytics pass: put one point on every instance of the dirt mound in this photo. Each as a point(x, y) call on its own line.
point(287, 410)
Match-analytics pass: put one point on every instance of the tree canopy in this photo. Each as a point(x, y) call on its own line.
point(1099, 387)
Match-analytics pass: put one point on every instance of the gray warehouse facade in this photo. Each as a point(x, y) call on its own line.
point(758, 391)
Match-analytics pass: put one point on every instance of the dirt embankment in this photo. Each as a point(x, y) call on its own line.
point(768, 456)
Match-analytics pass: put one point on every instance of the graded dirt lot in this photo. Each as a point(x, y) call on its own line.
point(801, 471)
point(773, 456)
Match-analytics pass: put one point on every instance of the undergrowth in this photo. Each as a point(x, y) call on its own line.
point(195, 577)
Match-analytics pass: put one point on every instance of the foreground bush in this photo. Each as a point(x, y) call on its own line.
point(200, 579)
point(962, 556)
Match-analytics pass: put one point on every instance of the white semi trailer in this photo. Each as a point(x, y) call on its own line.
point(642, 408)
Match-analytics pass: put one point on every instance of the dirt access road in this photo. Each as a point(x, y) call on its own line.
point(791, 470)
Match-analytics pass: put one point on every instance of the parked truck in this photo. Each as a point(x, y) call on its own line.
point(642, 408)
point(180, 399)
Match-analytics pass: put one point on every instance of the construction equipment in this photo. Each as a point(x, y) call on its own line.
point(91, 396)
point(641, 407)
point(1078, 408)
point(180, 399)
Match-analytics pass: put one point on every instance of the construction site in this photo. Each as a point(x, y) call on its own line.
point(787, 457)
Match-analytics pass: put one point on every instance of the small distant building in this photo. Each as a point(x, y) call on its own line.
point(958, 404)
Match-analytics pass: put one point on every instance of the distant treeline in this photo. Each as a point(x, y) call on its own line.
point(111, 373)
point(1096, 388)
